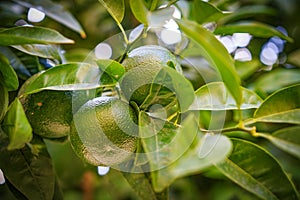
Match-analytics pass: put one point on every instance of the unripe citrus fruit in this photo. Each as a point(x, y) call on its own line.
point(49, 112)
point(104, 131)
point(142, 65)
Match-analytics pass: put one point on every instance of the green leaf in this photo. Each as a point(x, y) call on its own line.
point(205, 12)
point(16, 125)
point(155, 18)
point(247, 11)
point(283, 106)
point(176, 83)
point(116, 8)
point(43, 51)
point(31, 35)
point(215, 96)
point(215, 53)
point(139, 10)
point(8, 73)
point(276, 79)
point(174, 152)
point(157, 138)
point(112, 70)
point(58, 193)
point(72, 76)
point(245, 69)
point(15, 62)
point(287, 139)
point(3, 99)
point(56, 12)
point(254, 28)
point(32, 175)
point(190, 163)
point(140, 184)
point(203, 152)
point(254, 169)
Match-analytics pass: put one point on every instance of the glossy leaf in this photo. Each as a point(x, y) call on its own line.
point(158, 138)
point(32, 175)
point(72, 76)
point(56, 12)
point(8, 73)
point(31, 35)
point(3, 99)
point(116, 8)
point(203, 152)
point(282, 106)
point(254, 28)
point(245, 69)
point(43, 51)
point(287, 139)
point(247, 11)
point(205, 12)
point(276, 79)
point(155, 18)
point(139, 10)
point(215, 96)
point(216, 55)
point(257, 171)
point(15, 62)
point(111, 68)
point(16, 126)
point(177, 84)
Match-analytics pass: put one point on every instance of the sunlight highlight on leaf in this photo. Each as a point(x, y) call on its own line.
point(215, 96)
point(31, 35)
point(72, 76)
point(282, 106)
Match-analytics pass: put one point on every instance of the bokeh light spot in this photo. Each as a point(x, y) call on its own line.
point(241, 39)
point(228, 43)
point(103, 51)
point(35, 15)
point(268, 55)
point(103, 170)
point(135, 33)
point(169, 36)
point(243, 54)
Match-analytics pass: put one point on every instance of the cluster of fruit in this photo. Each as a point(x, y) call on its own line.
point(103, 130)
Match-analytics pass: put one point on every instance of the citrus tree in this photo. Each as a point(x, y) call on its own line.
point(178, 99)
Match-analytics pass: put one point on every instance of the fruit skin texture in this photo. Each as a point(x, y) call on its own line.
point(141, 66)
point(104, 131)
point(49, 112)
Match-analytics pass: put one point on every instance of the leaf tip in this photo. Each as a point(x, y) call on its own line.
point(82, 34)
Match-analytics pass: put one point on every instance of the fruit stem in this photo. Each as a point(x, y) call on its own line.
point(123, 32)
point(239, 127)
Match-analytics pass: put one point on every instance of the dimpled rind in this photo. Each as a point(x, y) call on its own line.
point(141, 66)
point(104, 131)
point(49, 113)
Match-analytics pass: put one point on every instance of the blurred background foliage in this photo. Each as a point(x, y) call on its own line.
point(80, 180)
